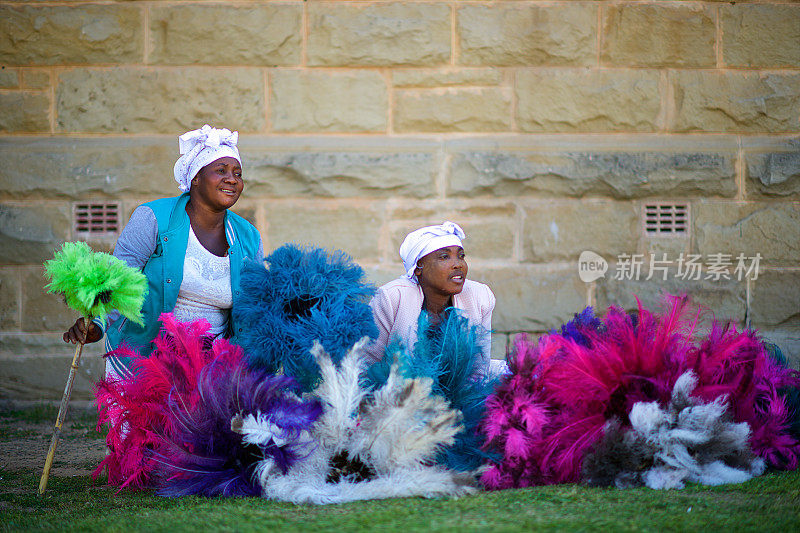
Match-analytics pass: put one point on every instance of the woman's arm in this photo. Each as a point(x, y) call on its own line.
point(135, 245)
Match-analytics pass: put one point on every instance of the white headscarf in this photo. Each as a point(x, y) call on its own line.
point(201, 147)
point(423, 241)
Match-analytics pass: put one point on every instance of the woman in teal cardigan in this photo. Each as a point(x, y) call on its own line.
point(190, 247)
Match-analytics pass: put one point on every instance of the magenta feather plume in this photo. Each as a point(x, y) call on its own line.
point(135, 405)
point(552, 409)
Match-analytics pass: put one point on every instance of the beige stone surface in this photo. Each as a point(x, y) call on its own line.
point(569, 100)
point(727, 299)
point(659, 35)
point(735, 101)
point(78, 169)
point(34, 78)
point(398, 33)
point(81, 34)
point(510, 34)
point(760, 35)
point(159, 100)
point(265, 34)
point(772, 168)
point(27, 112)
point(9, 78)
point(351, 227)
point(336, 172)
point(39, 378)
point(29, 234)
point(771, 229)
point(532, 299)
point(788, 340)
point(429, 78)
point(41, 311)
point(499, 346)
point(452, 109)
point(561, 230)
point(775, 300)
point(328, 101)
point(663, 168)
point(10, 295)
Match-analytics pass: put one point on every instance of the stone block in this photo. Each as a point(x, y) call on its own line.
point(658, 35)
point(352, 228)
point(69, 35)
point(774, 171)
point(9, 78)
point(766, 35)
point(554, 100)
point(726, 299)
point(486, 238)
point(30, 233)
point(434, 211)
point(35, 78)
point(308, 173)
point(775, 300)
point(160, 100)
point(42, 311)
point(429, 78)
point(788, 340)
point(559, 231)
point(25, 112)
point(452, 109)
point(328, 101)
point(509, 35)
point(579, 170)
point(384, 273)
point(771, 229)
point(399, 33)
point(267, 34)
point(499, 346)
point(735, 101)
point(10, 294)
point(531, 298)
point(80, 169)
point(42, 378)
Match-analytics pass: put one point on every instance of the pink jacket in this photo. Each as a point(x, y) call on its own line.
point(396, 307)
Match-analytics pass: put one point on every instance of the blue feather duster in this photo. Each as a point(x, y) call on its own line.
point(581, 323)
point(210, 454)
point(304, 294)
point(449, 354)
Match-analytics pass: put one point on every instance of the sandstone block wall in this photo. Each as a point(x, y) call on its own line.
point(543, 127)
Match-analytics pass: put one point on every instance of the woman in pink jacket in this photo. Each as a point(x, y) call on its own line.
point(435, 280)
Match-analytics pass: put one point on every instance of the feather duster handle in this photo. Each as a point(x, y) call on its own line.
point(304, 295)
point(95, 283)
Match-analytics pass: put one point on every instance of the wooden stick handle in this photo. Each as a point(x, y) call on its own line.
point(62, 412)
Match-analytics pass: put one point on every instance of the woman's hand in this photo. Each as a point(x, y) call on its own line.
point(76, 333)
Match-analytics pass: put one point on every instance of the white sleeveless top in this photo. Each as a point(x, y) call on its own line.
point(206, 287)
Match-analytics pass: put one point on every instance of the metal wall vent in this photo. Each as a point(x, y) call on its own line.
point(96, 219)
point(666, 219)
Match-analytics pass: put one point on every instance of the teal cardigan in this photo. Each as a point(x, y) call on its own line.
point(164, 272)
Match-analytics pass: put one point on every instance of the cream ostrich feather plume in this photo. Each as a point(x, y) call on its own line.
point(372, 446)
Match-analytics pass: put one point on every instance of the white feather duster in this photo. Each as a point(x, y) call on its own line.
point(390, 435)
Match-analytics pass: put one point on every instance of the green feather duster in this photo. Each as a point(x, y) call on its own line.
point(94, 283)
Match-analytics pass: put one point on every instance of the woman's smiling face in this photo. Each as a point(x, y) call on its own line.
point(219, 184)
point(443, 270)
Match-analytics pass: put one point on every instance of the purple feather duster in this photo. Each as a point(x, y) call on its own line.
point(211, 453)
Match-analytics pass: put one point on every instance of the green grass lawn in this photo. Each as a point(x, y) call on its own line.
point(76, 503)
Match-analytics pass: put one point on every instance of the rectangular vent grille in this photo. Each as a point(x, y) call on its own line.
point(666, 219)
point(95, 219)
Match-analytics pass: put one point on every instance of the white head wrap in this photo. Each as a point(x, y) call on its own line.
point(423, 241)
point(201, 147)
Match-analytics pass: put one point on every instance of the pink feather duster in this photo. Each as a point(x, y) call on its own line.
point(551, 410)
point(135, 406)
